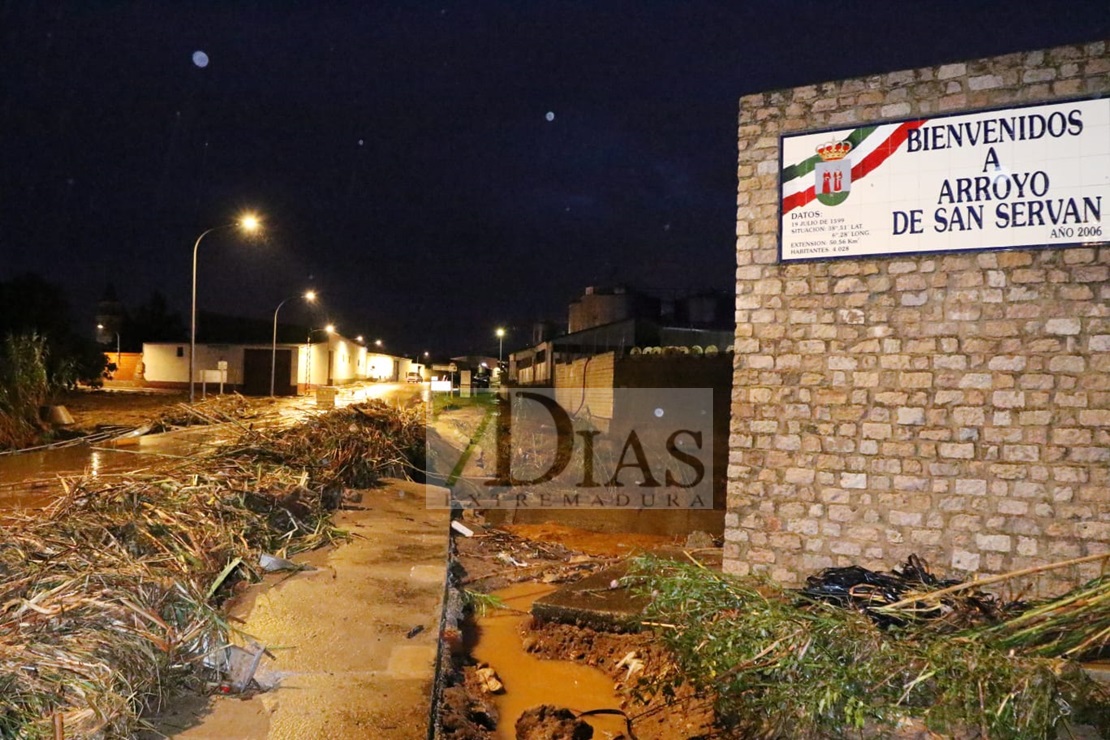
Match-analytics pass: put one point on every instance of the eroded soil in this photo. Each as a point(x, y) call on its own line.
point(635, 662)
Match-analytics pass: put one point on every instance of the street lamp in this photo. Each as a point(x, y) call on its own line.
point(309, 296)
point(249, 223)
point(500, 343)
point(101, 328)
point(377, 343)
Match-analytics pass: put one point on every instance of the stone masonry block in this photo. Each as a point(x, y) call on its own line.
point(1062, 326)
point(994, 542)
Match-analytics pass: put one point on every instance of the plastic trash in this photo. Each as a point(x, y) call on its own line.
point(270, 563)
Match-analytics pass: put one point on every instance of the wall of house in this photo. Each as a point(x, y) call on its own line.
point(126, 364)
point(164, 368)
point(381, 367)
point(952, 405)
point(585, 386)
point(349, 360)
point(166, 363)
point(527, 368)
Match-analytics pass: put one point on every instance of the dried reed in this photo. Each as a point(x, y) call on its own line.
point(109, 598)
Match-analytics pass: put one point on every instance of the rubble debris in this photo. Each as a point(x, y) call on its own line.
point(508, 559)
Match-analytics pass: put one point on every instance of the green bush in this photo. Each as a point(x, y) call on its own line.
point(25, 387)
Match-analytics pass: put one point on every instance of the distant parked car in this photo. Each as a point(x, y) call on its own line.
point(414, 378)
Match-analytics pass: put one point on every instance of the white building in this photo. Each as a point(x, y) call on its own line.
point(245, 368)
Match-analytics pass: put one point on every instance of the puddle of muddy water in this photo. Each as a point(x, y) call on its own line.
point(530, 681)
point(28, 479)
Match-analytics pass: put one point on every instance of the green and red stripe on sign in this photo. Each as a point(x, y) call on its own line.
point(874, 153)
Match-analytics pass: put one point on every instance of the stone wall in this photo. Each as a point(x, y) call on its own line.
point(952, 405)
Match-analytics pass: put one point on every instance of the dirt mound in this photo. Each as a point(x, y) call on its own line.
point(547, 722)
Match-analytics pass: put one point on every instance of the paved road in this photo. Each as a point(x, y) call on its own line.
point(355, 639)
point(345, 666)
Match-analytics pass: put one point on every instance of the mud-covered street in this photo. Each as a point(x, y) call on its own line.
point(345, 632)
point(351, 640)
point(282, 576)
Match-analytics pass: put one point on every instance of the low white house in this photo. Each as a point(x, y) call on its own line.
point(246, 368)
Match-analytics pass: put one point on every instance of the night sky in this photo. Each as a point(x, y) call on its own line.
point(434, 170)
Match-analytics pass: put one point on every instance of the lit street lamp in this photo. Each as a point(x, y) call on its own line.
point(309, 296)
point(500, 343)
point(248, 223)
point(101, 328)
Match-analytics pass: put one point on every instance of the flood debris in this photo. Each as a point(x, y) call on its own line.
point(461, 528)
point(109, 598)
point(868, 591)
point(633, 665)
point(241, 665)
point(229, 408)
point(780, 666)
point(271, 563)
point(490, 682)
point(1075, 625)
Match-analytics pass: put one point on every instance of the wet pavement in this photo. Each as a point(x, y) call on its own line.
point(29, 480)
point(345, 665)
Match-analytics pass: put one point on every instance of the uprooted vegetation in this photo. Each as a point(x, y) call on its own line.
point(109, 599)
point(780, 664)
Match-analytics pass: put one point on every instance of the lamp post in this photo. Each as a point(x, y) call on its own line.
point(248, 223)
point(309, 296)
point(500, 344)
point(101, 328)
